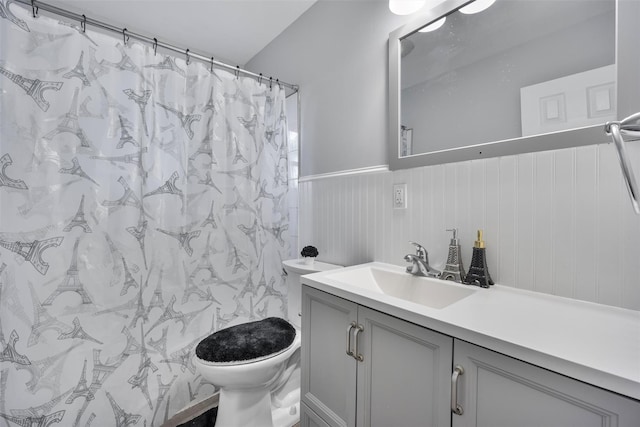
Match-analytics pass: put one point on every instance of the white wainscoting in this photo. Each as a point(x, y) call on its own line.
point(557, 222)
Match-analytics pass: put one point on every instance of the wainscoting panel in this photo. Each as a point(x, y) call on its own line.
point(557, 222)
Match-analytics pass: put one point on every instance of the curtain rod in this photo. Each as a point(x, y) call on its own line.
point(84, 20)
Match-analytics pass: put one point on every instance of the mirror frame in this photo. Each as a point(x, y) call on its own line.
point(627, 65)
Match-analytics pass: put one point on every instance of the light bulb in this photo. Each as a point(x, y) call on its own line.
point(477, 6)
point(405, 7)
point(433, 26)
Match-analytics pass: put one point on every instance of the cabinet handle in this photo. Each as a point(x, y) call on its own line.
point(351, 326)
point(455, 408)
point(356, 355)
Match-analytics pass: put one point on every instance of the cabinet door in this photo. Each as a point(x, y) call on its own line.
point(328, 383)
point(308, 418)
point(404, 378)
point(498, 391)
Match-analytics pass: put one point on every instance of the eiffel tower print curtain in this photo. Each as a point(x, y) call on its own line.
point(142, 207)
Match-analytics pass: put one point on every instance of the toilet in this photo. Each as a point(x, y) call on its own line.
point(256, 365)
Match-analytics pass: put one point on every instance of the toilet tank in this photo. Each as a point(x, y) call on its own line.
point(294, 269)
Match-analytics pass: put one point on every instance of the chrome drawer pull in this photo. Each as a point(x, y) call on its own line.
point(455, 408)
point(356, 355)
point(351, 326)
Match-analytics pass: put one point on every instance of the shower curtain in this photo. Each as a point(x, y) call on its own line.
point(142, 207)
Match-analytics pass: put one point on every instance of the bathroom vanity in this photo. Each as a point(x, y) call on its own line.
point(382, 347)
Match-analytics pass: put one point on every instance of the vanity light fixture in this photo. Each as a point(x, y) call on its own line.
point(477, 6)
point(433, 26)
point(405, 7)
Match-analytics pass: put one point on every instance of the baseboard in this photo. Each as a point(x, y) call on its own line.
point(193, 411)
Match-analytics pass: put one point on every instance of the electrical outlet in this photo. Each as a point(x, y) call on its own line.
point(399, 196)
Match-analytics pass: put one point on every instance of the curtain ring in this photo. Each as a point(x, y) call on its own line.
point(260, 79)
point(125, 37)
point(155, 46)
point(270, 82)
point(212, 64)
point(237, 71)
point(83, 23)
point(186, 53)
point(34, 9)
point(278, 82)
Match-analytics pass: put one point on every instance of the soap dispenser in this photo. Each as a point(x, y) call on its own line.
point(454, 269)
point(478, 271)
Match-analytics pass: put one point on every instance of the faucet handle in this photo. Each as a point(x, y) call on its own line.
point(420, 250)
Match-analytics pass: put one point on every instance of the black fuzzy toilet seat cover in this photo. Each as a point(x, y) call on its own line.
point(242, 343)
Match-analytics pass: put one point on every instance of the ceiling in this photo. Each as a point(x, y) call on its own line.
point(233, 31)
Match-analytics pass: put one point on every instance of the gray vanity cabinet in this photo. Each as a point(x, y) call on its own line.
point(327, 385)
point(407, 377)
point(499, 391)
point(402, 379)
point(309, 418)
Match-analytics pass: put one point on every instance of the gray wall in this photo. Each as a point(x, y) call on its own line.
point(337, 53)
point(557, 222)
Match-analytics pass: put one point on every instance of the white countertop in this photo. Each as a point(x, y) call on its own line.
point(590, 342)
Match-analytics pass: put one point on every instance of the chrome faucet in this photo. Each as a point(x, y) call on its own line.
point(420, 263)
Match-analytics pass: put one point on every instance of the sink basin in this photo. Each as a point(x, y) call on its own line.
point(421, 290)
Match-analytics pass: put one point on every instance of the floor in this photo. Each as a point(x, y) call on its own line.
point(207, 419)
point(202, 414)
point(195, 412)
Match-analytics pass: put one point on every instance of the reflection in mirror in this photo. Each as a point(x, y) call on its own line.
point(406, 141)
point(518, 68)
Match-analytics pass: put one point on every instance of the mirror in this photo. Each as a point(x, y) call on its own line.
point(520, 76)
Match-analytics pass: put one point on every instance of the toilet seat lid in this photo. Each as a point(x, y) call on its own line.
point(247, 342)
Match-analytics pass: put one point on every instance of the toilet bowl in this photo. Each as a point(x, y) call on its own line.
point(256, 365)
